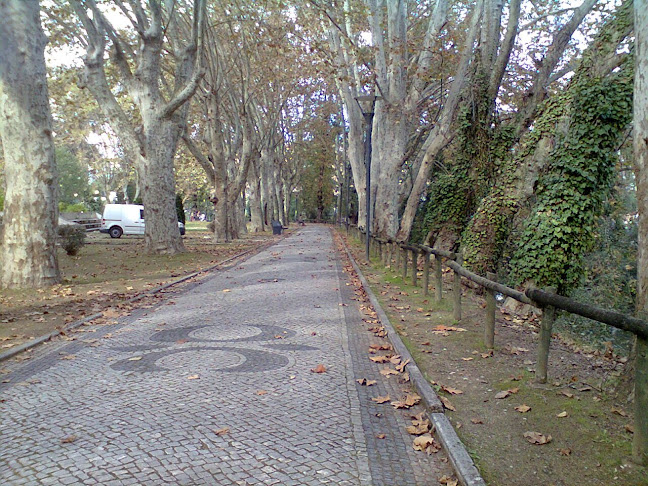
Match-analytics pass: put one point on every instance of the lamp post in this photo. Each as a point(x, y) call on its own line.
point(346, 184)
point(367, 104)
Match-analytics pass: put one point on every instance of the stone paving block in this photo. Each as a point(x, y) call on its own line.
point(214, 387)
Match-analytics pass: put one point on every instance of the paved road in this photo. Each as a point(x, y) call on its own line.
point(215, 387)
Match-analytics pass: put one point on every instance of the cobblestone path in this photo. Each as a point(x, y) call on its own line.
point(214, 387)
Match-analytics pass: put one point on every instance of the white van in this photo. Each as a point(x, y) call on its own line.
point(126, 219)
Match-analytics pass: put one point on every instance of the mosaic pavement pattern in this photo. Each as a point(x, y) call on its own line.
point(214, 387)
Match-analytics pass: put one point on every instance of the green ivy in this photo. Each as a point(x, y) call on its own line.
point(470, 165)
point(486, 235)
point(563, 223)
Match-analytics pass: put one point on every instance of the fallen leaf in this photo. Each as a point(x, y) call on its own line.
point(381, 347)
point(450, 390)
point(380, 436)
point(419, 428)
point(447, 404)
point(388, 371)
point(564, 452)
point(379, 359)
point(320, 368)
point(523, 408)
point(562, 415)
point(193, 377)
point(384, 399)
point(618, 411)
point(226, 290)
point(401, 367)
point(69, 439)
point(537, 438)
point(111, 313)
point(69, 356)
point(567, 394)
point(261, 392)
point(448, 481)
point(426, 443)
point(441, 327)
point(467, 359)
point(135, 358)
point(476, 421)
point(407, 402)
point(629, 428)
point(365, 382)
point(506, 393)
point(223, 431)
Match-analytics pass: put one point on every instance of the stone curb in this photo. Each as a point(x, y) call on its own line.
point(462, 463)
point(73, 325)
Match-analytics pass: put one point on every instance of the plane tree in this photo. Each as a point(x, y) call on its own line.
point(28, 250)
point(158, 65)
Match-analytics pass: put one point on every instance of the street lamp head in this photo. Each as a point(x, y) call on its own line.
point(367, 103)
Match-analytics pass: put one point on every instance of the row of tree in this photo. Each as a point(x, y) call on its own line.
point(499, 125)
point(130, 74)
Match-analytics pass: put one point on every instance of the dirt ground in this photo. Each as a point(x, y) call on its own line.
point(106, 273)
point(582, 414)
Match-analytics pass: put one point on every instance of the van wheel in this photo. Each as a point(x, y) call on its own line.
point(115, 232)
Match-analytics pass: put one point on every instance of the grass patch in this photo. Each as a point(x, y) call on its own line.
point(590, 444)
point(105, 272)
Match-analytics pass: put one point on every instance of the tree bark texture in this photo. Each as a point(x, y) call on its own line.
point(28, 251)
point(640, 438)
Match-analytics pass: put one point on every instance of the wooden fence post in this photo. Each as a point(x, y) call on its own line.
point(426, 273)
point(456, 290)
point(388, 248)
point(640, 438)
point(489, 329)
point(546, 325)
point(397, 257)
point(390, 254)
point(404, 261)
point(438, 277)
point(414, 266)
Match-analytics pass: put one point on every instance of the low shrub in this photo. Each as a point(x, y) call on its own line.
point(72, 238)
point(73, 208)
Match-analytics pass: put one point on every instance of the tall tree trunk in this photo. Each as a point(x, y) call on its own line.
point(389, 139)
point(256, 213)
point(640, 439)
point(158, 186)
point(28, 250)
